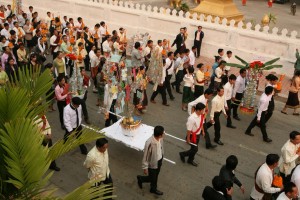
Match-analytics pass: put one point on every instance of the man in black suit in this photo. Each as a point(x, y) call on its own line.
point(216, 193)
point(179, 41)
point(199, 35)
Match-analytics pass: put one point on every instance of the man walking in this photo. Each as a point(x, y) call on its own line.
point(289, 155)
point(169, 66)
point(263, 179)
point(260, 118)
point(208, 93)
point(152, 160)
point(199, 35)
point(228, 90)
point(217, 107)
point(72, 121)
point(194, 128)
point(97, 164)
point(238, 92)
point(179, 41)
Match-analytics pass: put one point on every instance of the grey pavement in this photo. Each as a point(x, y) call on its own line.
point(253, 11)
point(180, 181)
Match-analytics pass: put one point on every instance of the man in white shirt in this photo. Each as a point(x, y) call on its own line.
point(8, 11)
point(147, 53)
point(29, 14)
point(295, 178)
point(72, 121)
point(289, 155)
point(194, 128)
point(94, 67)
point(228, 57)
point(221, 53)
point(54, 43)
point(228, 91)
point(192, 56)
point(106, 45)
point(238, 92)
point(5, 31)
point(217, 107)
point(169, 66)
point(159, 87)
point(290, 192)
point(208, 93)
point(20, 33)
point(180, 63)
point(152, 160)
point(97, 163)
point(48, 19)
point(264, 178)
point(261, 114)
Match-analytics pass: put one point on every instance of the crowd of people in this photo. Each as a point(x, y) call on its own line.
point(27, 41)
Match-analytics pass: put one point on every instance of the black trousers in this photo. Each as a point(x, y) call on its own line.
point(152, 177)
point(207, 137)
point(54, 54)
point(61, 105)
point(217, 125)
point(49, 144)
point(199, 90)
point(197, 44)
point(78, 130)
point(236, 104)
point(178, 79)
point(168, 85)
point(192, 152)
point(228, 112)
point(111, 117)
point(107, 181)
point(83, 105)
point(162, 91)
point(271, 108)
point(262, 125)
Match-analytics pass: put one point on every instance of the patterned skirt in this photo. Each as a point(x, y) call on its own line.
point(187, 95)
point(293, 100)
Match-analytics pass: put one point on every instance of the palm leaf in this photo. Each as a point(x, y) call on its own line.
point(61, 147)
point(271, 61)
point(234, 65)
point(88, 191)
point(26, 159)
point(242, 61)
point(272, 67)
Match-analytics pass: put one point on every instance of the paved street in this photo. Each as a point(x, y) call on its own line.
point(253, 11)
point(180, 181)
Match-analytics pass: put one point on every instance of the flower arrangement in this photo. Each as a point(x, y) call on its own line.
point(255, 70)
point(277, 181)
point(71, 56)
point(279, 84)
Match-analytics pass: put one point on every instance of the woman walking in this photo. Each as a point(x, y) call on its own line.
point(293, 98)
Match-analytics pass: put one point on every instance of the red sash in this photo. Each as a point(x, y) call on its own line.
point(193, 138)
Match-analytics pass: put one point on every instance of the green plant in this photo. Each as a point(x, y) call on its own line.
point(272, 19)
point(24, 162)
point(184, 7)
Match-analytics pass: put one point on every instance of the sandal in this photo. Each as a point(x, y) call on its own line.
point(285, 112)
point(297, 114)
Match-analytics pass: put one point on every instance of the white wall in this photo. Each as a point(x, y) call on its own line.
point(161, 23)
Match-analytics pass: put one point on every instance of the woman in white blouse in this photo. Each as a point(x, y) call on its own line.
point(188, 94)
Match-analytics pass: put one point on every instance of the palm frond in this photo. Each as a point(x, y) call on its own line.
point(88, 191)
point(61, 147)
point(242, 61)
point(26, 159)
point(272, 67)
point(271, 61)
point(234, 65)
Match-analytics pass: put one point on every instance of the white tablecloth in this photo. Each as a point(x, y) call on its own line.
point(138, 137)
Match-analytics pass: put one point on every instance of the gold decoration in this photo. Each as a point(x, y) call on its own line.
point(265, 20)
point(219, 8)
